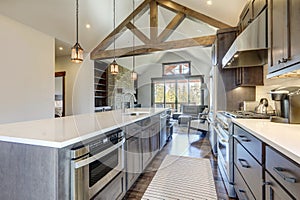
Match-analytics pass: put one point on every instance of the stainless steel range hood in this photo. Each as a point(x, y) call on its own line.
point(250, 47)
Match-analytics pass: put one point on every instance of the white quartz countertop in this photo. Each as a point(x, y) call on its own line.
point(61, 132)
point(283, 137)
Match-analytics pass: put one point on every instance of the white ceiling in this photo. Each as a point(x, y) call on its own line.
point(57, 17)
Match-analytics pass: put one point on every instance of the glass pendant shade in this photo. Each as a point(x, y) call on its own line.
point(114, 68)
point(133, 75)
point(77, 53)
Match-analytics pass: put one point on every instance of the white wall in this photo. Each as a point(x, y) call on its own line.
point(27, 73)
point(79, 84)
point(270, 84)
point(200, 60)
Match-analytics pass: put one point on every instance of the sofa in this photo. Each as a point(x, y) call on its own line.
point(189, 112)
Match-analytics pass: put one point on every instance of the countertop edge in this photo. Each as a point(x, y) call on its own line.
point(53, 144)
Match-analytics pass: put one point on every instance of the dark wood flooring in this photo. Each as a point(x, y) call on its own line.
point(182, 145)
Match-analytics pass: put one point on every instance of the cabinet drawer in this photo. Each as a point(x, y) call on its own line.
point(285, 171)
point(132, 129)
point(251, 143)
point(274, 191)
point(241, 188)
point(114, 190)
point(249, 168)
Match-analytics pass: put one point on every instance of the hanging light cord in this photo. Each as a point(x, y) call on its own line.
point(114, 22)
point(133, 39)
point(76, 21)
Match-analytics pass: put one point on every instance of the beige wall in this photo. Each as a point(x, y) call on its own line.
point(27, 73)
point(270, 84)
point(79, 84)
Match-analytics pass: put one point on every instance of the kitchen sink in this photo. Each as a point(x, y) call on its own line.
point(136, 113)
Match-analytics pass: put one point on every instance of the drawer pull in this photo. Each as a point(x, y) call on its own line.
point(244, 138)
point(244, 163)
point(279, 171)
point(243, 194)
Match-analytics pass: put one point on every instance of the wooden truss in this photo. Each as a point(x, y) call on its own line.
point(156, 42)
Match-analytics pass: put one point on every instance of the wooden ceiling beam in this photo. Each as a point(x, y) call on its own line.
point(138, 33)
point(153, 21)
point(150, 48)
point(166, 33)
point(137, 13)
point(175, 7)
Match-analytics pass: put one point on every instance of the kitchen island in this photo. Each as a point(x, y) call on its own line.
point(35, 155)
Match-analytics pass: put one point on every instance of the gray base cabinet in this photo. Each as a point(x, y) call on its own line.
point(284, 171)
point(241, 188)
point(274, 191)
point(133, 160)
point(115, 190)
point(261, 172)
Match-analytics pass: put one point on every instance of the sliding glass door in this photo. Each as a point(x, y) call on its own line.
point(174, 92)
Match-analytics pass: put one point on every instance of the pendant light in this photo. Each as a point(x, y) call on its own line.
point(133, 73)
point(77, 51)
point(114, 67)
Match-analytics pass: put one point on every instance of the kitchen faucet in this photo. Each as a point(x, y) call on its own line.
point(123, 99)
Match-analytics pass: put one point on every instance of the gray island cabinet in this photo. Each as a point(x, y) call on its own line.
point(35, 157)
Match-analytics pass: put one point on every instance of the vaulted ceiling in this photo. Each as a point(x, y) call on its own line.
point(57, 18)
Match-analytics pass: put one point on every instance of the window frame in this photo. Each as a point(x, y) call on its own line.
point(164, 65)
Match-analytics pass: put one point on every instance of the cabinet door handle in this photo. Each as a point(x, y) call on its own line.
point(244, 163)
point(243, 194)
point(279, 171)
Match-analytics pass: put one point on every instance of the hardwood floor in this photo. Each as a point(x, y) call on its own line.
point(182, 145)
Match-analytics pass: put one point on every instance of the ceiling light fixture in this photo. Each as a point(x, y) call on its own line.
point(60, 48)
point(77, 51)
point(114, 67)
point(133, 73)
point(87, 26)
point(209, 2)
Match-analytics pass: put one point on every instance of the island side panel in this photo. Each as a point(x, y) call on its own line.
point(64, 173)
point(28, 172)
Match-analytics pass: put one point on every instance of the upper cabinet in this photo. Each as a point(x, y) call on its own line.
point(283, 34)
point(225, 38)
point(250, 12)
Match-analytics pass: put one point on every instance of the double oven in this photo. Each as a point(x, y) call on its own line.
point(95, 163)
point(224, 130)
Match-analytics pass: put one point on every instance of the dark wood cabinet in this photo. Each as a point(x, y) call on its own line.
point(249, 76)
point(224, 40)
point(283, 30)
point(100, 84)
point(250, 12)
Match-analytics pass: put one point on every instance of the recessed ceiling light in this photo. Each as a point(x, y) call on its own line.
point(60, 48)
point(87, 26)
point(209, 2)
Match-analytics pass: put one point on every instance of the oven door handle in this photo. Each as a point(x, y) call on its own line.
point(220, 136)
point(89, 160)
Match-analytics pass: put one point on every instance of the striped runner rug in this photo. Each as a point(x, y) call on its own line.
point(182, 178)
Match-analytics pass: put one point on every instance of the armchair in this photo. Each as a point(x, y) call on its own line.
point(200, 123)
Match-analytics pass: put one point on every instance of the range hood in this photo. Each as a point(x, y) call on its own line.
point(250, 47)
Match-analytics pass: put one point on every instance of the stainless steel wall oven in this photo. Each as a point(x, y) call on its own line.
point(95, 163)
point(224, 132)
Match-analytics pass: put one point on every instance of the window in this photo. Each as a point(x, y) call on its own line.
point(176, 68)
point(173, 92)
